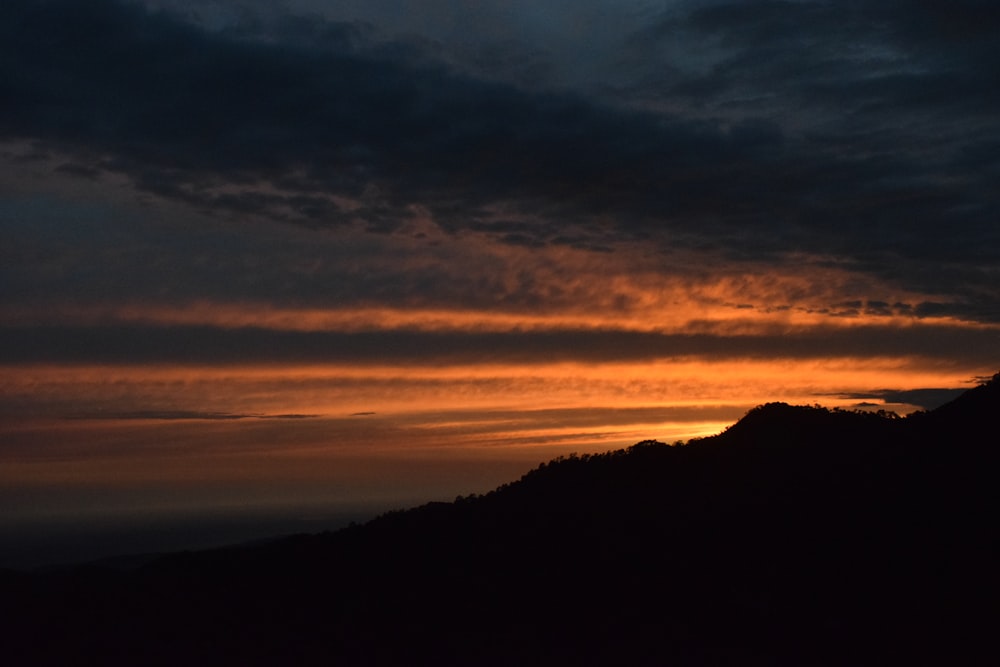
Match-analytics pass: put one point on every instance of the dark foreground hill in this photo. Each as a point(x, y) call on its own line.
point(799, 536)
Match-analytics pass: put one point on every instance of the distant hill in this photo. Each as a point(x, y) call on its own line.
point(799, 536)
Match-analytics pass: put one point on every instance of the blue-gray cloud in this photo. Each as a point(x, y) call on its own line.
point(124, 344)
point(856, 131)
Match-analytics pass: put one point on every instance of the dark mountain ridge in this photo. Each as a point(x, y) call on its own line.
point(799, 536)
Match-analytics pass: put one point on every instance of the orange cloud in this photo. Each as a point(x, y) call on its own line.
point(346, 389)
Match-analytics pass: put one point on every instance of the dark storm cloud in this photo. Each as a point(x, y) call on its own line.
point(79, 170)
point(181, 110)
point(886, 108)
point(207, 345)
point(861, 130)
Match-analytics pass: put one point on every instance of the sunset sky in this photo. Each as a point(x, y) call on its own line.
point(308, 257)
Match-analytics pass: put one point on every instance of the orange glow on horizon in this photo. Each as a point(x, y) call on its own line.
point(426, 427)
point(328, 389)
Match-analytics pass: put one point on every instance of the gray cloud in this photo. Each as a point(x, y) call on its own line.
point(207, 345)
point(858, 131)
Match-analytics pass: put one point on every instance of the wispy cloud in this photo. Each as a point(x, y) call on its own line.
point(170, 415)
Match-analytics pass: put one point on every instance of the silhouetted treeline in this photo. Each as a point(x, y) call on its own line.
point(799, 536)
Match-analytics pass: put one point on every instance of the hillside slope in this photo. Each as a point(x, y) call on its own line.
point(798, 536)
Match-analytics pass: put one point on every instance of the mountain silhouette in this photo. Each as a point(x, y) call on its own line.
point(798, 536)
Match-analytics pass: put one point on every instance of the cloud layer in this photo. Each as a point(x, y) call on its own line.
point(862, 132)
point(715, 180)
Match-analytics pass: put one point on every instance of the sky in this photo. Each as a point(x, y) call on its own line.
point(305, 259)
